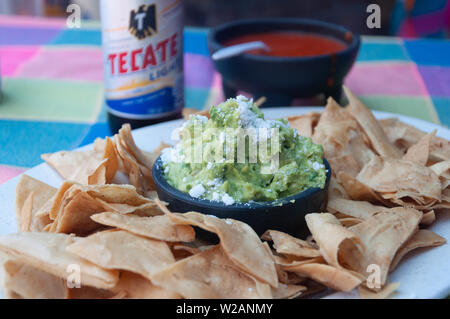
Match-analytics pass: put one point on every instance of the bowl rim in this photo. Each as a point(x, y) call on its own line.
point(352, 46)
point(162, 183)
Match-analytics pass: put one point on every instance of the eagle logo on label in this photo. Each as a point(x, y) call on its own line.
point(143, 21)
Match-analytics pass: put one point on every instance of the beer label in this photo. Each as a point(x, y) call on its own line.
point(142, 57)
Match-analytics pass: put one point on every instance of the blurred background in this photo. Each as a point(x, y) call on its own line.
point(406, 18)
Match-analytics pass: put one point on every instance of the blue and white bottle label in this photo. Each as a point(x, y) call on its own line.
point(143, 57)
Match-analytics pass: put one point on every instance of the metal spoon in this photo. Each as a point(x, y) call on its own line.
point(239, 49)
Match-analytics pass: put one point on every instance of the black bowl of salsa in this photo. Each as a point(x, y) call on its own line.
point(285, 214)
point(307, 58)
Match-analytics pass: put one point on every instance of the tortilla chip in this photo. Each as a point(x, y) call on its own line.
point(383, 234)
point(401, 179)
point(41, 194)
point(26, 214)
point(96, 166)
point(26, 282)
point(442, 169)
point(210, 274)
point(304, 124)
point(339, 246)
point(121, 194)
point(112, 164)
point(358, 209)
point(344, 164)
point(136, 163)
point(125, 251)
point(335, 190)
point(404, 136)
point(77, 166)
point(419, 152)
point(144, 158)
point(357, 190)
point(41, 218)
point(138, 175)
point(423, 238)
point(75, 203)
point(359, 148)
point(338, 279)
point(288, 263)
point(122, 199)
point(289, 278)
point(134, 286)
point(384, 293)
point(343, 140)
point(181, 251)
point(98, 176)
point(148, 209)
point(238, 240)
point(333, 129)
point(47, 252)
point(287, 245)
point(371, 127)
point(428, 218)
point(157, 227)
point(75, 217)
point(349, 221)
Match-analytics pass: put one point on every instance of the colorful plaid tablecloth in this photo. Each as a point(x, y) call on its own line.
point(52, 84)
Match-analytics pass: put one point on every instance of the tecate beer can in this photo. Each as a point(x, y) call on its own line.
point(143, 58)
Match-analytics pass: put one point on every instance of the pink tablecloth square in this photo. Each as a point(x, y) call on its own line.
point(12, 57)
point(66, 63)
point(8, 172)
point(24, 21)
point(386, 79)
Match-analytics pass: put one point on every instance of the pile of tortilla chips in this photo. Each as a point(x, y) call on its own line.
point(104, 234)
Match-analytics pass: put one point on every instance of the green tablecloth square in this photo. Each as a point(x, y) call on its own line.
point(51, 100)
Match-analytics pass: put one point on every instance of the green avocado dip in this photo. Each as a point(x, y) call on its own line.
point(211, 161)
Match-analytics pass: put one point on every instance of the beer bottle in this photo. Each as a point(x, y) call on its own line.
point(142, 43)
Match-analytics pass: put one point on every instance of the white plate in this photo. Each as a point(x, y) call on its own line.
point(424, 273)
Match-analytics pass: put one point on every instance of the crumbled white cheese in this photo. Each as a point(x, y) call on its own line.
point(198, 117)
point(215, 182)
point(227, 199)
point(228, 222)
point(247, 117)
point(197, 191)
point(215, 196)
point(316, 166)
point(166, 155)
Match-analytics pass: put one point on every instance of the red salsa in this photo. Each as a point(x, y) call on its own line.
point(291, 44)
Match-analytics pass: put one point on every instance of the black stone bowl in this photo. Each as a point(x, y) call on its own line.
point(286, 214)
point(281, 79)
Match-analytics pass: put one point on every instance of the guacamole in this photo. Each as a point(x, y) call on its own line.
point(237, 156)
